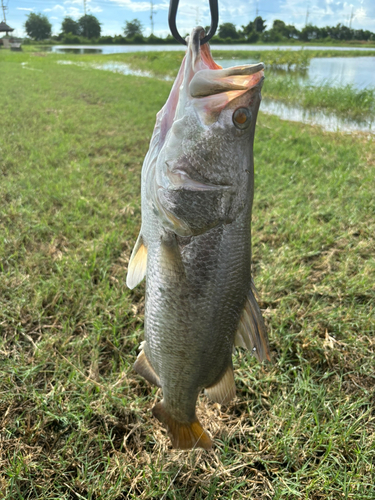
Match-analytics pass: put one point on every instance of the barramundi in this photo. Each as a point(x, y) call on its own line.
point(194, 245)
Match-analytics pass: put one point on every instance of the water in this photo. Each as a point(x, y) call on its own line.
point(334, 71)
point(327, 121)
point(117, 49)
point(114, 67)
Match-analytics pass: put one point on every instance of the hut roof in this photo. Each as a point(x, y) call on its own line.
point(5, 27)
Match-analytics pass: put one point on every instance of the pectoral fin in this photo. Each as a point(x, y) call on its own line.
point(225, 390)
point(184, 435)
point(137, 264)
point(252, 333)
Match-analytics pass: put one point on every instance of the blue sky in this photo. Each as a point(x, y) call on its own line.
point(112, 14)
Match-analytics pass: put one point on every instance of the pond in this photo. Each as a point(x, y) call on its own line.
point(333, 71)
point(117, 49)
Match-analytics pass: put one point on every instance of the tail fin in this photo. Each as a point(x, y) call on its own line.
point(184, 435)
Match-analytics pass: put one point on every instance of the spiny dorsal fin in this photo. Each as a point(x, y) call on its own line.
point(137, 264)
point(224, 390)
point(184, 435)
point(144, 368)
point(252, 333)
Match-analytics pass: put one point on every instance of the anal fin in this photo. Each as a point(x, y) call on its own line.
point(137, 264)
point(224, 390)
point(144, 368)
point(184, 435)
point(252, 333)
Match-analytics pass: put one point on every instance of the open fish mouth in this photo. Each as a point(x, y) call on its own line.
point(209, 79)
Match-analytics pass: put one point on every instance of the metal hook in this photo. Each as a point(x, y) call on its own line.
point(214, 8)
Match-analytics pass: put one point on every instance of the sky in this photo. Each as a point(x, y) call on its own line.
point(112, 14)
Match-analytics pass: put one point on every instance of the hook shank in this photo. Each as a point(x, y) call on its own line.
point(214, 9)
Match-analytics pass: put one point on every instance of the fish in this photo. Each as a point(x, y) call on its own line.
point(194, 245)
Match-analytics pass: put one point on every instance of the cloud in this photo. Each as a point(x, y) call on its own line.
point(140, 6)
point(24, 8)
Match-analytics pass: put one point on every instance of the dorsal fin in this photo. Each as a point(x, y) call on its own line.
point(137, 264)
point(252, 333)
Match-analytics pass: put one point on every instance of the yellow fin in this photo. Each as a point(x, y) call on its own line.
point(225, 390)
point(184, 435)
point(144, 368)
point(252, 333)
point(137, 264)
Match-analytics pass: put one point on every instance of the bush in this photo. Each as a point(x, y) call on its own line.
point(120, 40)
point(69, 38)
point(106, 40)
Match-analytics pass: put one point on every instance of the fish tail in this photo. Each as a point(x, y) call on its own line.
point(184, 435)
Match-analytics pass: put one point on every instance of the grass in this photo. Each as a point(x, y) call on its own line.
point(75, 420)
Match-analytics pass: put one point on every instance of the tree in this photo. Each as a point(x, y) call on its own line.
point(37, 26)
point(228, 30)
point(133, 28)
point(259, 24)
point(89, 26)
point(310, 32)
point(69, 26)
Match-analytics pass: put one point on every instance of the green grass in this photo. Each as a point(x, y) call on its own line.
point(75, 420)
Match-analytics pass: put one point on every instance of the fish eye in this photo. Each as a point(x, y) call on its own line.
point(242, 118)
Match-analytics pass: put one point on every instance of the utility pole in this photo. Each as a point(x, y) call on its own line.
point(152, 16)
point(256, 10)
point(351, 18)
point(307, 14)
point(4, 9)
point(84, 7)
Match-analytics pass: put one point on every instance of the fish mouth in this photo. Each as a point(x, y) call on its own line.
point(205, 78)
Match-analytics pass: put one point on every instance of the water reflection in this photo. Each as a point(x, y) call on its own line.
point(80, 50)
point(327, 121)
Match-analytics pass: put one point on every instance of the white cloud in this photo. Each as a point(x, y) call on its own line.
point(24, 8)
point(360, 14)
point(140, 6)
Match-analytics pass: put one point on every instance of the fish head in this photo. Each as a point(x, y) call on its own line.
point(205, 132)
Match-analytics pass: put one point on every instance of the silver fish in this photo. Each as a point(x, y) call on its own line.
point(194, 245)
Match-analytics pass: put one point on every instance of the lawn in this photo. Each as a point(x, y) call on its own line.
point(75, 419)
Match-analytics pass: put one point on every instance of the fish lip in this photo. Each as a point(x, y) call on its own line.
point(196, 37)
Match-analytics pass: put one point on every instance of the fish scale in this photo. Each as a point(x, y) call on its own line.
point(194, 245)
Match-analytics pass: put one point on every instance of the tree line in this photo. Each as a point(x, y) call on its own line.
point(88, 28)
